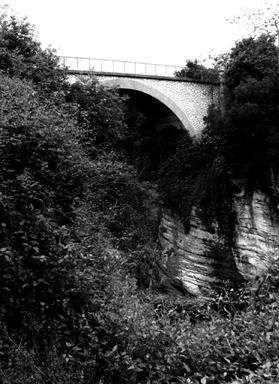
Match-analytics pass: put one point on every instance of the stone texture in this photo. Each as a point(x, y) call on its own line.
point(256, 242)
point(201, 258)
point(188, 100)
point(189, 97)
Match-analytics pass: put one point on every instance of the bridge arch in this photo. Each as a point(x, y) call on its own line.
point(147, 99)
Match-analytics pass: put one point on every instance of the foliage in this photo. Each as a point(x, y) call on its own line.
point(251, 58)
point(194, 176)
point(21, 54)
point(130, 343)
point(239, 141)
point(100, 115)
point(194, 70)
point(248, 132)
point(62, 216)
point(41, 175)
point(146, 148)
point(123, 201)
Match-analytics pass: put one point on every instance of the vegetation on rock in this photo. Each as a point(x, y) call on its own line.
point(240, 140)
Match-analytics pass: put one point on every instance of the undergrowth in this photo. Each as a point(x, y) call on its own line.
point(142, 337)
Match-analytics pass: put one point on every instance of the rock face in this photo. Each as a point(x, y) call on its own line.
point(202, 257)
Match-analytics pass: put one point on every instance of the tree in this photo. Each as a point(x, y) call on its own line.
point(261, 21)
point(21, 54)
point(194, 70)
point(251, 58)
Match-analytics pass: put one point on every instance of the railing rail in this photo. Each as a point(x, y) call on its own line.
point(119, 66)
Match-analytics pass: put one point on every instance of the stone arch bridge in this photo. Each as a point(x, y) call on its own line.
point(164, 99)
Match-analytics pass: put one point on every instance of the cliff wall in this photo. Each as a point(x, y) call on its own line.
point(203, 257)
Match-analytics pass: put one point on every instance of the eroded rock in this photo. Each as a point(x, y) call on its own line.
point(204, 256)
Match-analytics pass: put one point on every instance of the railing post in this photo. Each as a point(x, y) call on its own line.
point(112, 65)
point(155, 69)
point(124, 67)
point(77, 63)
point(101, 65)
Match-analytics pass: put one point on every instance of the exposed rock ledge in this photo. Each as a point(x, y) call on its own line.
point(201, 258)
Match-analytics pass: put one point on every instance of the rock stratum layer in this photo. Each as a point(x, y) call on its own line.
point(203, 256)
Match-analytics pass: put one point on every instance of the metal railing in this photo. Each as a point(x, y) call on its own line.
point(118, 66)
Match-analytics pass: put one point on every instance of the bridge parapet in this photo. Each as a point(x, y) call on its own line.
point(119, 66)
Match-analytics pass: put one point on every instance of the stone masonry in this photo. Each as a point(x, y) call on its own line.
point(187, 99)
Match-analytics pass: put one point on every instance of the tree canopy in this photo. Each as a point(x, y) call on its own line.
point(21, 54)
point(254, 58)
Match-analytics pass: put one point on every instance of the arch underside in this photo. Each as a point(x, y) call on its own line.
point(158, 108)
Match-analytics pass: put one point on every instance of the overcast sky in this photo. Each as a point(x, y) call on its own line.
point(155, 31)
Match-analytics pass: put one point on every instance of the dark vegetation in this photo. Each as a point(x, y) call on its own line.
point(240, 140)
point(196, 71)
point(79, 217)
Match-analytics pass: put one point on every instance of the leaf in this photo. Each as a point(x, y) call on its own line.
point(186, 367)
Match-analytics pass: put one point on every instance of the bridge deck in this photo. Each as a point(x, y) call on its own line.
point(139, 76)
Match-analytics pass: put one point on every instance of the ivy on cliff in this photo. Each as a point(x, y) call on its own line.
point(195, 177)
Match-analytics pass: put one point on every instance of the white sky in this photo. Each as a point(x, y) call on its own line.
point(154, 31)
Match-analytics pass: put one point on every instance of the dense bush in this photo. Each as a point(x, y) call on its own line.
point(42, 170)
point(100, 115)
point(62, 217)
